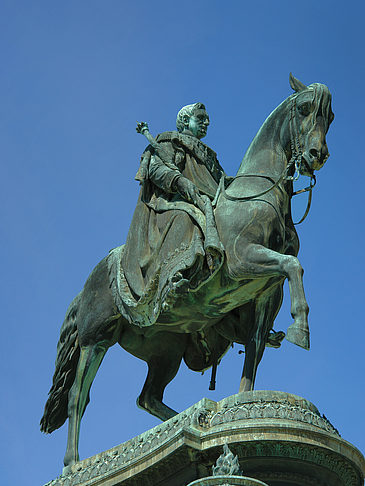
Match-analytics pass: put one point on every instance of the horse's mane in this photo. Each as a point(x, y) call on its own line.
point(323, 100)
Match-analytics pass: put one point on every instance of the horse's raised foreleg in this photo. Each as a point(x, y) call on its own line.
point(267, 307)
point(90, 359)
point(256, 261)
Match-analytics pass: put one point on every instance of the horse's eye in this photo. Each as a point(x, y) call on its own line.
point(305, 108)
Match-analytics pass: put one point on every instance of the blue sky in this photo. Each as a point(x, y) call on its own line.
point(75, 77)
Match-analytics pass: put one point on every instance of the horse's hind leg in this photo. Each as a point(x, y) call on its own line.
point(161, 370)
point(98, 327)
point(163, 353)
point(267, 307)
point(90, 359)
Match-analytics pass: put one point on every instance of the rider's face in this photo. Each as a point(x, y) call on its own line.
point(198, 123)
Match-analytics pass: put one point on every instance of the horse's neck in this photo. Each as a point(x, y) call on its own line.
point(266, 155)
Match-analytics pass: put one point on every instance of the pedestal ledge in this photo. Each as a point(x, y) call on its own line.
point(227, 481)
point(280, 439)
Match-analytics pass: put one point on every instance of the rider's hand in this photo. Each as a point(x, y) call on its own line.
point(187, 190)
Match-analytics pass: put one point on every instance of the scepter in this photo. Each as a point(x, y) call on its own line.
point(166, 156)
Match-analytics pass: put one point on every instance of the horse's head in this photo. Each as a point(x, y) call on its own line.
point(309, 120)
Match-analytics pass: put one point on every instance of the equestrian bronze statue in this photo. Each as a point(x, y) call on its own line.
point(204, 263)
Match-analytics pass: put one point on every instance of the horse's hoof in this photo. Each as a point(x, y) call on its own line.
point(156, 408)
point(69, 461)
point(67, 470)
point(298, 336)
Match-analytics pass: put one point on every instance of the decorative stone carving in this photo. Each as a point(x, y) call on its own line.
point(262, 426)
point(232, 481)
point(227, 472)
point(227, 464)
point(270, 409)
point(310, 455)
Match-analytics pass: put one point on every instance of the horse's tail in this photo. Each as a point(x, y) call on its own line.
point(68, 352)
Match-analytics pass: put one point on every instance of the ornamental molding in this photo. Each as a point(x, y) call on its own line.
point(263, 409)
point(305, 453)
point(194, 433)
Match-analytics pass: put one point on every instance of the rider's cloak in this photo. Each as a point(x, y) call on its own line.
point(172, 246)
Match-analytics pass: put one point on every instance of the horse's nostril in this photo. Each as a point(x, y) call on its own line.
point(314, 153)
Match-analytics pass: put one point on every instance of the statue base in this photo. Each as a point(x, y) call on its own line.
point(280, 439)
point(227, 481)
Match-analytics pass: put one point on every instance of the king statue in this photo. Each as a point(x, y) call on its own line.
point(172, 244)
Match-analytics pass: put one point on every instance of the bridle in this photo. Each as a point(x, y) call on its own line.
point(297, 155)
point(296, 160)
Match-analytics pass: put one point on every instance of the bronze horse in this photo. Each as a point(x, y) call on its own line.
point(239, 304)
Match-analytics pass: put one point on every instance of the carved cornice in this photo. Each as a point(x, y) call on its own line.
point(120, 457)
point(259, 424)
point(306, 454)
point(263, 409)
point(227, 481)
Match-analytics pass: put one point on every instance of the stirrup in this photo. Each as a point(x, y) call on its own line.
point(275, 339)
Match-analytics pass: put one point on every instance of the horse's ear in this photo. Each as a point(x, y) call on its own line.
point(296, 84)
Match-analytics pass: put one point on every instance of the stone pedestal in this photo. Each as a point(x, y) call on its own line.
point(227, 481)
point(280, 440)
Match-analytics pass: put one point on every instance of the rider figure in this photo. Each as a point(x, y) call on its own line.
point(170, 242)
point(168, 249)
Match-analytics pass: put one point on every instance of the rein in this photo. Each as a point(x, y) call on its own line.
point(221, 190)
point(295, 160)
point(308, 189)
